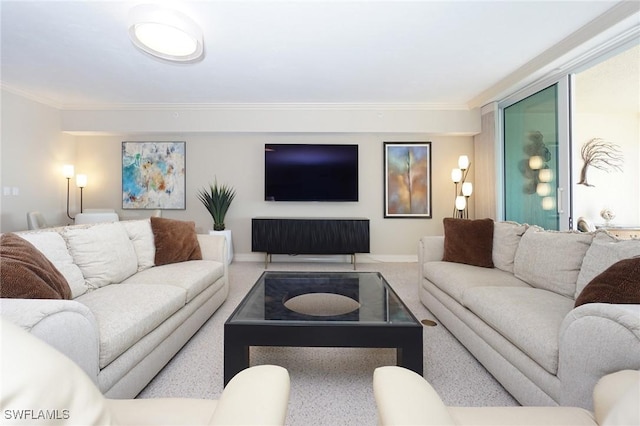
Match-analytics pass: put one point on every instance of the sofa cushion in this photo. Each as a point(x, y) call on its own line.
point(141, 236)
point(605, 250)
point(126, 313)
point(53, 246)
point(551, 260)
point(103, 252)
point(515, 311)
point(175, 241)
point(468, 241)
point(193, 276)
point(506, 238)
point(455, 278)
point(620, 283)
point(26, 273)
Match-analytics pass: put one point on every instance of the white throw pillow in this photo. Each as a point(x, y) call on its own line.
point(53, 246)
point(506, 238)
point(605, 250)
point(141, 235)
point(551, 260)
point(103, 252)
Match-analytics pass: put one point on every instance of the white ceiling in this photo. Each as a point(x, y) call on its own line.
point(444, 53)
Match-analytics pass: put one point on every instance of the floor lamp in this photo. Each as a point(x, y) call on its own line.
point(459, 176)
point(81, 182)
point(67, 171)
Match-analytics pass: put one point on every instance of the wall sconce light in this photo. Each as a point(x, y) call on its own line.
point(459, 176)
point(81, 182)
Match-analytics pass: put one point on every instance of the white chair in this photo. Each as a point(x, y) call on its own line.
point(35, 220)
point(38, 379)
point(406, 398)
point(96, 216)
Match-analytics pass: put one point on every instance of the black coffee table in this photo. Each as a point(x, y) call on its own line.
point(321, 309)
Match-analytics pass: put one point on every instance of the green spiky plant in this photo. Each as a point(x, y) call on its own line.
point(217, 202)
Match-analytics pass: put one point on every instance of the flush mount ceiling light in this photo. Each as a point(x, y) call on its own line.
point(165, 33)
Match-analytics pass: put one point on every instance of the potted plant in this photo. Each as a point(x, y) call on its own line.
point(217, 201)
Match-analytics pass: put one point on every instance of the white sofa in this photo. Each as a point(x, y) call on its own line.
point(518, 318)
point(126, 317)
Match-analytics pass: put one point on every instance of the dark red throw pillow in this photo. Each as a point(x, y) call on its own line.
point(26, 273)
point(620, 283)
point(468, 241)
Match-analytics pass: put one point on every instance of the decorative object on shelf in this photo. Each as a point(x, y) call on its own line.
point(217, 202)
point(153, 175)
point(81, 182)
point(602, 155)
point(608, 215)
point(407, 180)
point(459, 177)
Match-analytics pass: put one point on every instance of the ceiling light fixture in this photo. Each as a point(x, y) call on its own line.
point(165, 33)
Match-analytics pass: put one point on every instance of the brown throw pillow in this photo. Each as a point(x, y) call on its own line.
point(175, 241)
point(25, 273)
point(468, 241)
point(620, 283)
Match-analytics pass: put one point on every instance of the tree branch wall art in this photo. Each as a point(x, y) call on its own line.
point(602, 155)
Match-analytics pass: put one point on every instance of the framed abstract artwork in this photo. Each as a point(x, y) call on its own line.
point(407, 180)
point(153, 175)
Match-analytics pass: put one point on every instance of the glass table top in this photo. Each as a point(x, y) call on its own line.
point(313, 298)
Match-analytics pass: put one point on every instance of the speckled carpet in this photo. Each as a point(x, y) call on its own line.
point(329, 386)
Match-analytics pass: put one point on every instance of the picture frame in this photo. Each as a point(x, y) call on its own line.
point(154, 175)
point(407, 180)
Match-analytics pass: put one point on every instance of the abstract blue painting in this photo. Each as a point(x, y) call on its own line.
point(153, 175)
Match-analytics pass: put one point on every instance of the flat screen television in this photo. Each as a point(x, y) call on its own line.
point(310, 172)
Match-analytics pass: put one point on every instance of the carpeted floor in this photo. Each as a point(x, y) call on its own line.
point(329, 386)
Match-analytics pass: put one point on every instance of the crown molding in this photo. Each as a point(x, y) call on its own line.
point(30, 96)
point(265, 106)
point(270, 107)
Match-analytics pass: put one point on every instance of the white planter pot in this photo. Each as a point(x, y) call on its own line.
point(227, 235)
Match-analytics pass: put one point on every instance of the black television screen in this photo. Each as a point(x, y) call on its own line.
point(310, 172)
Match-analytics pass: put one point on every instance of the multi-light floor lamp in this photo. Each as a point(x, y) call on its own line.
point(459, 176)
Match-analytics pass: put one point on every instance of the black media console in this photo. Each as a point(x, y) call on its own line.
point(309, 236)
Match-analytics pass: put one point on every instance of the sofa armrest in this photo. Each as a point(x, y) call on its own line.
point(596, 339)
point(406, 398)
point(214, 247)
point(430, 249)
point(67, 325)
point(255, 396)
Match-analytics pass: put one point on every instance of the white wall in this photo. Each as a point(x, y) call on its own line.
point(238, 159)
point(33, 151)
point(618, 191)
